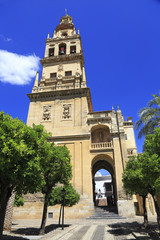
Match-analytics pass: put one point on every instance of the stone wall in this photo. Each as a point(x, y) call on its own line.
point(34, 210)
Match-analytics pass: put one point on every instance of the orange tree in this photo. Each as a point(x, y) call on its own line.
point(19, 161)
point(55, 168)
point(133, 181)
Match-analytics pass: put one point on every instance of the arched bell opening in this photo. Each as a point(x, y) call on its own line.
point(62, 49)
point(106, 195)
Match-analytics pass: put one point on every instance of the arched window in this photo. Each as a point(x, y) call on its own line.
point(51, 52)
point(72, 49)
point(64, 34)
point(62, 49)
point(101, 134)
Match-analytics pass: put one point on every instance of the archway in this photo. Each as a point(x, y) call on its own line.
point(104, 187)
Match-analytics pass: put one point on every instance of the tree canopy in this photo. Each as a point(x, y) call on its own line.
point(19, 161)
point(70, 199)
point(142, 173)
point(152, 143)
point(29, 163)
point(149, 117)
point(133, 179)
point(18, 156)
point(55, 168)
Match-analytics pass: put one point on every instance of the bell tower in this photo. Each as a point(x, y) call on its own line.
point(61, 101)
point(62, 97)
point(63, 63)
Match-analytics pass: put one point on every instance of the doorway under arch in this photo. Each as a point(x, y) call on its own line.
point(107, 197)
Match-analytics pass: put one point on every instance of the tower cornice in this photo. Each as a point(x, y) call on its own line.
point(63, 93)
point(63, 58)
point(61, 39)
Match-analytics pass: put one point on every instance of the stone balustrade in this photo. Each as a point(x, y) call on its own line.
point(98, 115)
point(57, 87)
point(101, 145)
point(72, 77)
point(68, 77)
point(51, 79)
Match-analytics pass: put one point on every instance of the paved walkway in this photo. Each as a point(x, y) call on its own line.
point(97, 227)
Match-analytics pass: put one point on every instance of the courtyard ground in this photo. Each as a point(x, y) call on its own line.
point(85, 229)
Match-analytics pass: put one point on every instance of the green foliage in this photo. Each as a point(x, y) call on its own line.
point(142, 174)
point(20, 167)
point(19, 201)
point(19, 162)
point(152, 162)
point(71, 196)
point(28, 162)
point(55, 168)
point(149, 117)
point(55, 165)
point(132, 177)
point(152, 143)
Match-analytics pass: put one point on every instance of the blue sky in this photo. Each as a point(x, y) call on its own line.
point(121, 44)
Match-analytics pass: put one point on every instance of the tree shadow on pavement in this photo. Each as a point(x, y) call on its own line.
point(135, 228)
point(8, 237)
point(35, 231)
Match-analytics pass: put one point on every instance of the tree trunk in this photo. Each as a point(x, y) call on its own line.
point(156, 208)
point(60, 215)
point(9, 212)
point(5, 195)
point(145, 212)
point(43, 223)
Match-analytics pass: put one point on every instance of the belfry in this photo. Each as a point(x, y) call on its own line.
point(61, 101)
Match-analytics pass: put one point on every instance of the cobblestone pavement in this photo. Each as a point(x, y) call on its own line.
point(86, 229)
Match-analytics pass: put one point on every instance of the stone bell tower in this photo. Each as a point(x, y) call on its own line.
point(62, 97)
point(61, 101)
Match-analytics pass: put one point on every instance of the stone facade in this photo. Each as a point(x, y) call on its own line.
point(61, 101)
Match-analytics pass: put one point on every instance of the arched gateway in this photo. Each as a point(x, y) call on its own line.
point(61, 101)
point(103, 161)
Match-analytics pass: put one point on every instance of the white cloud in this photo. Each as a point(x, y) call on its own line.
point(5, 39)
point(98, 174)
point(17, 69)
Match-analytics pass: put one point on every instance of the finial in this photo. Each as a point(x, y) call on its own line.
point(112, 108)
point(78, 30)
point(83, 74)
point(36, 79)
point(66, 11)
point(48, 35)
point(118, 106)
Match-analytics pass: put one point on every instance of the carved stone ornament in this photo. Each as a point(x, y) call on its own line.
point(60, 68)
point(59, 76)
point(77, 74)
point(66, 111)
point(46, 113)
